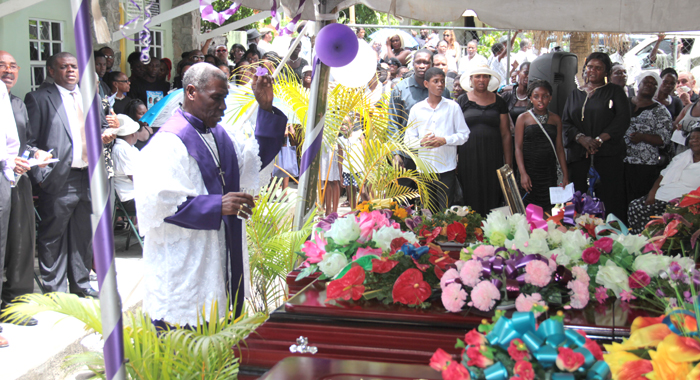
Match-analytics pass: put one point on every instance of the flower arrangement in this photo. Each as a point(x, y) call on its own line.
point(678, 229)
point(517, 349)
point(486, 274)
point(456, 224)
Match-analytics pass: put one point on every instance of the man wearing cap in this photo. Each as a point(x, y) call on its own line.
point(192, 196)
point(265, 43)
point(253, 37)
point(125, 157)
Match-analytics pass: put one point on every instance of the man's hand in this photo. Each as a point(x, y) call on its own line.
point(432, 141)
point(232, 203)
point(685, 98)
point(109, 135)
point(661, 36)
point(398, 160)
point(590, 144)
point(43, 156)
point(112, 120)
point(262, 89)
point(21, 165)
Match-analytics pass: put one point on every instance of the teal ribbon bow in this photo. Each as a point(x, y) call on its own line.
point(543, 343)
point(671, 326)
point(607, 227)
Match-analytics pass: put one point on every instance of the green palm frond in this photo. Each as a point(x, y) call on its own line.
point(86, 310)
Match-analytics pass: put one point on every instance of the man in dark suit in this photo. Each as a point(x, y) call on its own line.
point(56, 124)
point(19, 254)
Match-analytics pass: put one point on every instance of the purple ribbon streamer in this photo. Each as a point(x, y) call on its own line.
point(583, 204)
point(218, 18)
point(308, 156)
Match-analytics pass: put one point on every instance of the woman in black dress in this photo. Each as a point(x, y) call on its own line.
point(666, 96)
point(534, 152)
point(596, 117)
point(489, 145)
point(517, 98)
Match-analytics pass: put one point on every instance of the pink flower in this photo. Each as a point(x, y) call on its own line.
point(367, 251)
point(476, 358)
point(579, 294)
point(537, 273)
point(517, 350)
point(456, 371)
point(626, 296)
point(315, 248)
point(590, 255)
point(601, 294)
point(525, 303)
point(454, 298)
point(484, 296)
point(448, 278)
point(440, 360)
point(568, 360)
point(594, 348)
point(552, 264)
point(639, 279)
point(474, 338)
point(471, 273)
point(484, 251)
point(650, 247)
point(370, 222)
point(524, 370)
point(581, 275)
point(604, 244)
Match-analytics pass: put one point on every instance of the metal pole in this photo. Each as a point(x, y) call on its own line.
point(313, 140)
point(430, 27)
point(508, 48)
point(102, 238)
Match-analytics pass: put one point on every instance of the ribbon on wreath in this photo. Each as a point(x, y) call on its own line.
point(535, 217)
point(495, 266)
point(668, 321)
point(623, 230)
point(542, 343)
point(583, 204)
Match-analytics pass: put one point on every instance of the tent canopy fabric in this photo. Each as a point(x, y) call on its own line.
point(614, 16)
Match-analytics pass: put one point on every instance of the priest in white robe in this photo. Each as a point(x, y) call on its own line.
point(192, 193)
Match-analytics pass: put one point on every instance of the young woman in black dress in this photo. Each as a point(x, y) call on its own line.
point(534, 152)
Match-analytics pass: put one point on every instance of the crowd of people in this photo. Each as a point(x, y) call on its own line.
point(471, 115)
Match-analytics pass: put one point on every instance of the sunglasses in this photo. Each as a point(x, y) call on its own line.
point(109, 56)
point(198, 57)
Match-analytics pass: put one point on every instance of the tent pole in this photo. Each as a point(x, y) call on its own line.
point(313, 136)
point(508, 49)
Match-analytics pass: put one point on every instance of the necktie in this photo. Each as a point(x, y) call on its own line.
point(81, 121)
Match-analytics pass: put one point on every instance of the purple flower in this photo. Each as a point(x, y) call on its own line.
point(325, 223)
point(677, 273)
point(261, 71)
point(672, 302)
point(696, 276)
point(688, 296)
point(413, 223)
point(427, 212)
point(660, 293)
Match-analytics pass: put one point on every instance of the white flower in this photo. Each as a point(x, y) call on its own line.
point(686, 263)
point(537, 242)
point(562, 258)
point(520, 238)
point(573, 243)
point(612, 277)
point(518, 221)
point(652, 264)
point(332, 263)
point(496, 222)
point(632, 243)
point(554, 236)
point(384, 235)
point(411, 237)
point(344, 231)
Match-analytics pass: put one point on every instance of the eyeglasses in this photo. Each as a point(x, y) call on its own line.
point(221, 50)
point(10, 67)
point(198, 58)
point(109, 56)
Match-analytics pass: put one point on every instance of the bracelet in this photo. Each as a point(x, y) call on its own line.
point(598, 139)
point(578, 136)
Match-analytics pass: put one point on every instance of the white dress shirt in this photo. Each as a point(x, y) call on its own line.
point(447, 121)
point(465, 63)
point(125, 157)
point(75, 124)
point(499, 67)
point(9, 140)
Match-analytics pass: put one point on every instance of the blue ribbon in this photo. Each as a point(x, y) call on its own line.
point(543, 343)
point(671, 326)
point(414, 252)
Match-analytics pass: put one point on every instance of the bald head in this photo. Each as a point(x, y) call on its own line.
point(205, 88)
point(8, 69)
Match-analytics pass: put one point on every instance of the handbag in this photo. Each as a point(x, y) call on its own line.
point(560, 172)
point(287, 160)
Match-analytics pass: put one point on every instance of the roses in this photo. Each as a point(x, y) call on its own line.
point(612, 277)
point(517, 350)
point(476, 358)
point(568, 360)
point(639, 279)
point(332, 263)
point(590, 255)
point(604, 244)
point(345, 231)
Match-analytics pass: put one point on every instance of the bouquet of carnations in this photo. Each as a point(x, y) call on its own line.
point(487, 275)
point(517, 349)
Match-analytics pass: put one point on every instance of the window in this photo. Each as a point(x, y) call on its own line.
point(45, 40)
point(156, 50)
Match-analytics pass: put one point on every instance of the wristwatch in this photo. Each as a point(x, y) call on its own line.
point(598, 139)
point(579, 136)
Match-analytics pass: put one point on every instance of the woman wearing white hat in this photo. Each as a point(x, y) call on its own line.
point(489, 145)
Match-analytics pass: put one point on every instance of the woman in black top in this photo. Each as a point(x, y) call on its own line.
point(618, 76)
point(489, 145)
point(296, 63)
point(596, 117)
point(666, 96)
point(516, 98)
point(119, 83)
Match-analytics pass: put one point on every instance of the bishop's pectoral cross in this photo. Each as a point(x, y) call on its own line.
point(221, 174)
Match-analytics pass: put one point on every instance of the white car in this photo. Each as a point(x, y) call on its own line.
point(637, 59)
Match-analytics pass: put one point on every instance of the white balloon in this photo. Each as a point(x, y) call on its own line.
point(360, 71)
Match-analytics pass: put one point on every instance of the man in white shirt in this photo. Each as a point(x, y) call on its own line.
point(437, 126)
point(526, 53)
point(265, 43)
point(497, 64)
point(472, 58)
point(125, 157)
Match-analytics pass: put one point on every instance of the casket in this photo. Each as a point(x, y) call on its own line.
point(371, 331)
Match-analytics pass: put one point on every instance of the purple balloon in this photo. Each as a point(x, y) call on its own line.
point(336, 45)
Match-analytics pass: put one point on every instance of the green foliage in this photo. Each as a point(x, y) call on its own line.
point(243, 12)
point(205, 353)
point(489, 39)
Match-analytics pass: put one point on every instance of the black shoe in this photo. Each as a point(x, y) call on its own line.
point(28, 322)
point(89, 292)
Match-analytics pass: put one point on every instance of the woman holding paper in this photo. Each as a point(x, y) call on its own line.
point(538, 147)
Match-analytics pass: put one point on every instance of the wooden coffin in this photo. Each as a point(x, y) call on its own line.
point(370, 331)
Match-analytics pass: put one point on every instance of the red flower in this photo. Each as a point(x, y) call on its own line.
point(428, 235)
point(568, 360)
point(410, 289)
point(594, 348)
point(474, 338)
point(639, 279)
point(635, 369)
point(476, 358)
point(442, 261)
point(517, 350)
point(348, 286)
point(691, 198)
point(604, 244)
point(457, 232)
point(396, 244)
point(456, 371)
point(524, 370)
point(383, 265)
point(422, 267)
point(590, 255)
point(440, 360)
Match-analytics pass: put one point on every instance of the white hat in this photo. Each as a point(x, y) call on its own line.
point(306, 69)
point(126, 125)
point(466, 83)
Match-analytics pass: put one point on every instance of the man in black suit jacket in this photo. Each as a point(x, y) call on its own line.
point(56, 124)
